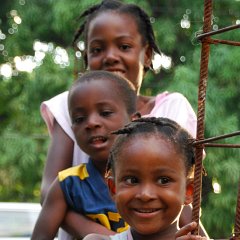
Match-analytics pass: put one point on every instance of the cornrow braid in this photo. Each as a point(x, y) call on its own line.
point(150, 33)
point(153, 126)
point(86, 13)
point(138, 123)
point(92, 12)
point(141, 17)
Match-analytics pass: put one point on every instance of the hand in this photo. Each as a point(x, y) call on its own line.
point(185, 233)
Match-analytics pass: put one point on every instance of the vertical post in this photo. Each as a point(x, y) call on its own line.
point(201, 112)
point(237, 218)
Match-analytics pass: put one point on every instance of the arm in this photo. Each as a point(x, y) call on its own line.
point(52, 214)
point(185, 233)
point(60, 155)
point(186, 218)
point(73, 221)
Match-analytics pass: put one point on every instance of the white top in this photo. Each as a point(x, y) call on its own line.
point(126, 235)
point(171, 105)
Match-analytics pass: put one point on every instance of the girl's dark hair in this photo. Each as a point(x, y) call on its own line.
point(141, 17)
point(152, 126)
point(124, 88)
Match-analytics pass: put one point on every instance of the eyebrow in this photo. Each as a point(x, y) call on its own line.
point(100, 39)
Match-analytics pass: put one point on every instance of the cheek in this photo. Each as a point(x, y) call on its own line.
point(177, 194)
point(121, 198)
point(78, 132)
point(94, 63)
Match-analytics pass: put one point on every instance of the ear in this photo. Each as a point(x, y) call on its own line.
point(189, 192)
point(135, 116)
point(148, 56)
point(111, 186)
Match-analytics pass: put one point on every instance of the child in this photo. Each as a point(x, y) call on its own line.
point(108, 32)
point(151, 178)
point(99, 102)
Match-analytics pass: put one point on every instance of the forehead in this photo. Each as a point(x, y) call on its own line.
point(98, 89)
point(114, 22)
point(150, 149)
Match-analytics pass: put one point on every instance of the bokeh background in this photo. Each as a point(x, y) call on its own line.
point(37, 62)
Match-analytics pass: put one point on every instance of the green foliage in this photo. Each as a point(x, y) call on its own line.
point(24, 138)
point(21, 166)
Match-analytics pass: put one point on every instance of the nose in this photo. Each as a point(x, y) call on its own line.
point(111, 57)
point(93, 121)
point(146, 193)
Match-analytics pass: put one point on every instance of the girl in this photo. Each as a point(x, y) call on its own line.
point(150, 177)
point(118, 38)
point(95, 112)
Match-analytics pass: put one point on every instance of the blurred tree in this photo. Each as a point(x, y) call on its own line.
point(36, 63)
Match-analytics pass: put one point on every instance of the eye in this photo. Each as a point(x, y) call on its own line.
point(78, 120)
point(131, 180)
point(164, 180)
point(95, 50)
point(125, 47)
point(106, 113)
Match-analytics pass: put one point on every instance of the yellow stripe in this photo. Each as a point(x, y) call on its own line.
point(80, 171)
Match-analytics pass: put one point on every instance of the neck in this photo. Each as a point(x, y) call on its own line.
point(145, 104)
point(100, 166)
point(166, 234)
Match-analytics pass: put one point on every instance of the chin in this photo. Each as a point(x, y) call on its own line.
point(147, 230)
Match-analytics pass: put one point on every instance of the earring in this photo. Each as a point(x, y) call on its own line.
point(111, 185)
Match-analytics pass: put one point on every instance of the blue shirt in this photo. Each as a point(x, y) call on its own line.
point(86, 192)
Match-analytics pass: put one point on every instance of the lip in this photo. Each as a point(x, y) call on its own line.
point(116, 71)
point(147, 212)
point(98, 141)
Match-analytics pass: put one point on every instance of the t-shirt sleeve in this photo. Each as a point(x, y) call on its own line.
point(70, 181)
point(57, 108)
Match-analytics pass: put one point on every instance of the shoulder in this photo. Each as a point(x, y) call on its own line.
point(57, 108)
point(172, 100)
point(95, 236)
point(79, 171)
point(170, 96)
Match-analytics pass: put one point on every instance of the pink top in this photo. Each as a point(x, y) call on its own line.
point(176, 107)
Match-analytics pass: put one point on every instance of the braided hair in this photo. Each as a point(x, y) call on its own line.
point(152, 126)
point(141, 17)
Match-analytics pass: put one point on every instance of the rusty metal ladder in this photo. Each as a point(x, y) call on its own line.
point(200, 143)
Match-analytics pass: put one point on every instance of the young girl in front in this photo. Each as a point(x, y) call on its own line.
point(150, 177)
point(95, 112)
point(118, 38)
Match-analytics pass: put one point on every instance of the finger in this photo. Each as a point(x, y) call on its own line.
point(191, 237)
point(186, 229)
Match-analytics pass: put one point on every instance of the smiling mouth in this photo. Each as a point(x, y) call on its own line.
point(150, 210)
point(116, 71)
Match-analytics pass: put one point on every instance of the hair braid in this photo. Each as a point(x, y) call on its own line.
point(85, 14)
point(149, 32)
point(152, 126)
point(90, 13)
